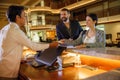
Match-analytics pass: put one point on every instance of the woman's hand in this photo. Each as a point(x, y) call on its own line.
point(62, 41)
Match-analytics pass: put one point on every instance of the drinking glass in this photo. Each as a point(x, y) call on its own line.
point(77, 60)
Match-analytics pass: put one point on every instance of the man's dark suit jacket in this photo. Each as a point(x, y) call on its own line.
point(62, 31)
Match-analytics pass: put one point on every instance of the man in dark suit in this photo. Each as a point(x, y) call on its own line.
point(67, 29)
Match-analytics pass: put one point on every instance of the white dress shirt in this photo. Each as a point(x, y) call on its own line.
point(12, 50)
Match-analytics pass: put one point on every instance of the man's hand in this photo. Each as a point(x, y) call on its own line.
point(53, 44)
point(23, 61)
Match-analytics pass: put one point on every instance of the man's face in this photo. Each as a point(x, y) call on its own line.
point(64, 16)
point(21, 19)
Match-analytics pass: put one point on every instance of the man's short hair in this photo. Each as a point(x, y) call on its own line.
point(65, 9)
point(13, 11)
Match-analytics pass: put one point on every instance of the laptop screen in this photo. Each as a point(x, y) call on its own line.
point(49, 55)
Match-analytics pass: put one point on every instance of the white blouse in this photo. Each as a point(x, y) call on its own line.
point(89, 39)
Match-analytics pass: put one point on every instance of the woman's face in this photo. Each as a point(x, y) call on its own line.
point(89, 22)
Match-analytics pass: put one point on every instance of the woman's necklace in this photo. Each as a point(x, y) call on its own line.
point(90, 33)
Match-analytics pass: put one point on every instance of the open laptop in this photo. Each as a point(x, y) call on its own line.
point(48, 56)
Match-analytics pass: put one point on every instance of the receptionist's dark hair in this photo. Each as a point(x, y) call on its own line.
point(93, 17)
point(13, 11)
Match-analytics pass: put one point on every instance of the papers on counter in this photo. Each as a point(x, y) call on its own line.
point(71, 47)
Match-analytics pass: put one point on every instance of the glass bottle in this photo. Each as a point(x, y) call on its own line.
point(77, 61)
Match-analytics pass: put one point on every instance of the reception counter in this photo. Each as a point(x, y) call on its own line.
point(96, 63)
point(108, 52)
point(102, 58)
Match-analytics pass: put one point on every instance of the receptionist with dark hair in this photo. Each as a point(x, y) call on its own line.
point(12, 42)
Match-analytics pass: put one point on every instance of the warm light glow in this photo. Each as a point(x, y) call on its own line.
point(47, 9)
point(50, 34)
point(43, 27)
point(82, 75)
point(27, 53)
point(79, 4)
point(56, 11)
point(60, 73)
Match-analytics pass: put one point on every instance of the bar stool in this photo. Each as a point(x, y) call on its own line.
point(118, 39)
point(109, 42)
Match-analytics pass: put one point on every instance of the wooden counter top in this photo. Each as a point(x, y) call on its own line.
point(68, 73)
point(104, 59)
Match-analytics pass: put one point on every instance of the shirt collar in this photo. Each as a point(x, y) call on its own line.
point(14, 24)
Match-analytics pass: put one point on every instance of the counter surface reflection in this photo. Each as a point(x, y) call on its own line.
point(68, 73)
point(110, 53)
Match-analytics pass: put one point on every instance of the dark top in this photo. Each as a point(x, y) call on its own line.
point(73, 32)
